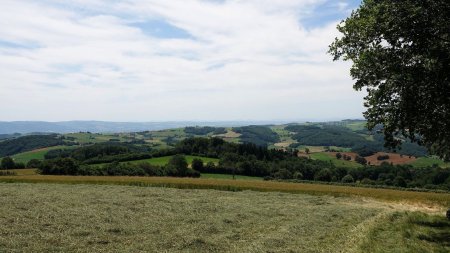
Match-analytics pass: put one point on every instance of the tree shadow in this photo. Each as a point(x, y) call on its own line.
point(442, 238)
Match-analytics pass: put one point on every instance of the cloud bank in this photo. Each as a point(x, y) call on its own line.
point(159, 60)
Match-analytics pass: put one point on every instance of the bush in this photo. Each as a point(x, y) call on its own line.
point(338, 155)
point(283, 174)
point(323, 175)
point(8, 163)
point(399, 182)
point(33, 163)
point(61, 166)
point(197, 164)
point(298, 175)
point(19, 166)
point(348, 179)
point(382, 157)
point(360, 160)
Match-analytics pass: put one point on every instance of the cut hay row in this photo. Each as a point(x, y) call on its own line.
point(410, 197)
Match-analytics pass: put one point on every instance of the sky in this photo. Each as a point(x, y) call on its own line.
point(174, 60)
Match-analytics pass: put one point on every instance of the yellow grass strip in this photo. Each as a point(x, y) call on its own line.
point(425, 198)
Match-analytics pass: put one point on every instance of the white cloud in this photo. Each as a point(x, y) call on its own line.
point(243, 60)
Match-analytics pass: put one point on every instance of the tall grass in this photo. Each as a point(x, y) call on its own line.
point(425, 198)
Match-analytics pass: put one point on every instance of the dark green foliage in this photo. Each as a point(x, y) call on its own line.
point(251, 160)
point(62, 166)
point(178, 164)
point(8, 163)
point(27, 143)
point(283, 174)
point(103, 153)
point(197, 164)
point(348, 179)
point(259, 135)
point(323, 175)
point(220, 130)
point(338, 155)
point(69, 166)
point(401, 55)
point(367, 148)
point(382, 157)
point(216, 147)
point(34, 163)
point(399, 181)
point(360, 160)
point(325, 135)
point(204, 130)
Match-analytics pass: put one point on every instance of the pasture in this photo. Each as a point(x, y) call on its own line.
point(161, 161)
point(35, 154)
point(105, 218)
point(331, 156)
point(429, 161)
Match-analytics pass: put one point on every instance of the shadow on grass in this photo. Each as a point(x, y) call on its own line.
point(439, 230)
point(442, 238)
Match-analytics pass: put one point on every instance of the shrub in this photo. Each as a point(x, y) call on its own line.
point(33, 163)
point(382, 157)
point(283, 174)
point(399, 182)
point(298, 175)
point(323, 175)
point(338, 155)
point(348, 179)
point(360, 160)
point(197, 164)
point(8, 163)
point(19, 166)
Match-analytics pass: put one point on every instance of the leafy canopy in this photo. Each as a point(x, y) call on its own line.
point(401, 54)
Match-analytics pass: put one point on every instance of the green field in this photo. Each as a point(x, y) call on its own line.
point(227, 176)
point(334, 160)
point(429, 161)
point(100, 218)
point(34, 154)
point(161, 161)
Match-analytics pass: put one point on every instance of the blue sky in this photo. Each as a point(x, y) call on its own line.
point(149, 60)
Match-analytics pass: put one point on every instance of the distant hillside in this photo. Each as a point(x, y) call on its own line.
point(106, 127)
point(27, 143)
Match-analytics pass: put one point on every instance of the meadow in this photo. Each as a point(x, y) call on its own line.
point(430, 199)
point(332, 158)
point(107, 218)
point(161, 161)
point(39, 154)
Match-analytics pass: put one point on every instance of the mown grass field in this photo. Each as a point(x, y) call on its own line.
point(105, 218)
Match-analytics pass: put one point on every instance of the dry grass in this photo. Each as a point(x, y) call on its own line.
point(431, 199)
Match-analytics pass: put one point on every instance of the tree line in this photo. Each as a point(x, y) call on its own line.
point(253, 160)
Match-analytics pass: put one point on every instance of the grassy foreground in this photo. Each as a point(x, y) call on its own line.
point(107, 218)
point(441, 200)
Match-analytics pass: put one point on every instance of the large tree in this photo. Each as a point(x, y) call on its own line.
point(401, 55)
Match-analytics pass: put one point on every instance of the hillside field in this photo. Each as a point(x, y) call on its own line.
point(161, 161)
